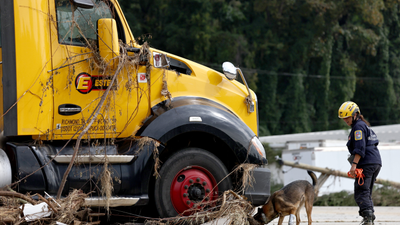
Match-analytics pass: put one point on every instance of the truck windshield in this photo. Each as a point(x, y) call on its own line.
point(77, 26)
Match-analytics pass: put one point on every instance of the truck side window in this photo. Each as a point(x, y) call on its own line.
point(76, 26)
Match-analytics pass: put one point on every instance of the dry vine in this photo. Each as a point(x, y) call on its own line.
point(145, 141)
point(99, 63)
point(106, 181)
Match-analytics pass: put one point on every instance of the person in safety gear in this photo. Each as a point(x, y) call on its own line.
point(362, 145)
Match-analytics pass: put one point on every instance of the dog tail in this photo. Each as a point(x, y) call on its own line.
point(313, 177)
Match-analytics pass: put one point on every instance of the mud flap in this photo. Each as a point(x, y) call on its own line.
point(259, 193)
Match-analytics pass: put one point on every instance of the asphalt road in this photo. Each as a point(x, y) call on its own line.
point(339, 215)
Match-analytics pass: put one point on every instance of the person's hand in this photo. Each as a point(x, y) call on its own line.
point(352, 171)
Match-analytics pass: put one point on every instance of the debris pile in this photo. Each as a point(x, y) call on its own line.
point(233, 208)
point(16, 208)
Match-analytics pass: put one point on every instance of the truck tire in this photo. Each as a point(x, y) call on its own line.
point(189, 176)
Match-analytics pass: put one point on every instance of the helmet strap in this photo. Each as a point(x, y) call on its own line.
point(354, 120)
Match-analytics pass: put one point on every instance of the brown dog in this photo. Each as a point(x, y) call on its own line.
point(288, 201)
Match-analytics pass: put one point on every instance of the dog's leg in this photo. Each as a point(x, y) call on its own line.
point(280, 220)
point(298, 217)
point(308, 205)
point(291, 219)
point(297, 213)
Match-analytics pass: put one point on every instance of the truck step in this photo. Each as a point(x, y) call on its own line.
point(113, 201)
point(94, 158)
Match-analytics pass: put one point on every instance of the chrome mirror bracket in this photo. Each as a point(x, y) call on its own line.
point(249, 98)
point(230, 72)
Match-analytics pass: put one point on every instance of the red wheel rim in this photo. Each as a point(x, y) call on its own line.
point(192, 185)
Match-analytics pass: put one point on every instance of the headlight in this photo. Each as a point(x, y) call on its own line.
point(258, 145)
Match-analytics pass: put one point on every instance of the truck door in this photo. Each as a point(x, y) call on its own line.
point(79, 80)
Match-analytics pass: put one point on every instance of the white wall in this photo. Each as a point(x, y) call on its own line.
point(336, 158)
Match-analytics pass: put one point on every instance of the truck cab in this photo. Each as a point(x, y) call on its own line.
point(79, 95)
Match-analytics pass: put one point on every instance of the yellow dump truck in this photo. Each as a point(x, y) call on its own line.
point(78, 93)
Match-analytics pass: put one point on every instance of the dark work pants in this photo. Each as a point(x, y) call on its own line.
point(362, 194)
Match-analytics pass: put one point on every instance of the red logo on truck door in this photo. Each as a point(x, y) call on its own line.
point(85, 83)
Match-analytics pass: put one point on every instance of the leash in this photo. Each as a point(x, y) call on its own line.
point(359, 175)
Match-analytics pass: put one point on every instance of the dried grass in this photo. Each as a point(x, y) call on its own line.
point(144, 141)
point(247, 175)
point(231, 206)
point(235, 208)
point(107, 185)
point(9, 211)
point(70, 206)
point(64, 210)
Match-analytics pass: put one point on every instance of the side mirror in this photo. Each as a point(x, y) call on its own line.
point(86, 4)
point(108, 41)
point(230, 70)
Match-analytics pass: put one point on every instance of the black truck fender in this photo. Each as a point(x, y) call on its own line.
point(25, 165)
point(193, 114)
point(172, 119)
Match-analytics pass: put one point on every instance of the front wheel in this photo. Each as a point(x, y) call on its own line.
point(190, 176)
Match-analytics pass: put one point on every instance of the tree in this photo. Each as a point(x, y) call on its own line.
point(303, 58)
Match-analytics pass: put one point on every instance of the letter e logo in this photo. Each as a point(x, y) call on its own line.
point(83, 83)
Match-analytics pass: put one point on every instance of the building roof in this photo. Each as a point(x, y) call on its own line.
point(386, 134)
